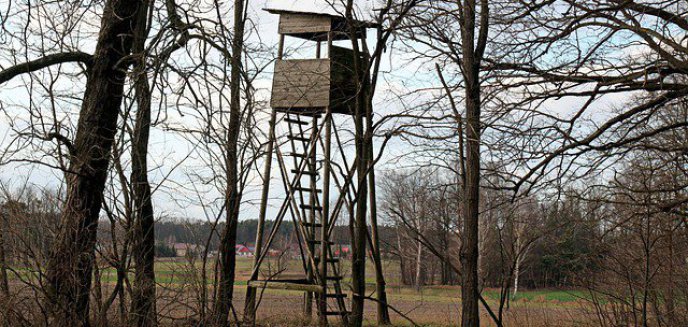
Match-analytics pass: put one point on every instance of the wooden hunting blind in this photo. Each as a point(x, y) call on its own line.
point(311, 85)
point(305, 95)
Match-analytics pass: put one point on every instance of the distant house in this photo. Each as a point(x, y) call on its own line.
point(243, 250)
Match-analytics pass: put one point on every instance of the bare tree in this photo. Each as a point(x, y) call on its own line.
point(71, 261)
point(439, 24)
point(223, 302)
point(143, 299)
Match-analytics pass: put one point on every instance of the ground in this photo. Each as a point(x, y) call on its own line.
point(431, 305)
point(180, 286)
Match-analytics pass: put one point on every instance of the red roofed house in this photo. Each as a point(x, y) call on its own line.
point(243, 250)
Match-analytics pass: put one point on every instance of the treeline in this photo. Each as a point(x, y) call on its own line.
point(197, 232)
point(547, 244)
point(617, 238)
point(560, 239)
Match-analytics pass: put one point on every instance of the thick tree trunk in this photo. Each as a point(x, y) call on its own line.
point(143, 296)
point(470, 293)
point(360, 230)
point(71, 259)
point(363, 161)
point(225, 289)
point(359, 255)
point(469, 249)
point(359, 234)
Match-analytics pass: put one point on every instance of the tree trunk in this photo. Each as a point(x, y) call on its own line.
point(419, 266)
point(360, 234)
point(469, 248)
point(380, 285)
point(447, 272)
point(225, 291)
point(402, 265)
point(360, 231)
point(143, 296)
point(470, 293)
point(517, 272)
point(4, 280)
point(71, 259)
point(359, 249)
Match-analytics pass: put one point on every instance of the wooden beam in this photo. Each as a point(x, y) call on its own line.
point(285, 286)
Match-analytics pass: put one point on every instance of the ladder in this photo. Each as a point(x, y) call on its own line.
point(302, 137)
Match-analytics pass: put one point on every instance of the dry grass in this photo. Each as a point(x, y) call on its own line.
point(179, 292)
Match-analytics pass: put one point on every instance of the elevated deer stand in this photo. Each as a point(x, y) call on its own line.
point(303, 91)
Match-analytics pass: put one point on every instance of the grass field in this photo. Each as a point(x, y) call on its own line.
point(431, 305)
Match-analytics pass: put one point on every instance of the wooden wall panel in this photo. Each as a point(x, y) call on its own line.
point(300, 24)
point(301, 83)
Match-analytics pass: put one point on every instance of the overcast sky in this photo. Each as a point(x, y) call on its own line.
point(174, 161)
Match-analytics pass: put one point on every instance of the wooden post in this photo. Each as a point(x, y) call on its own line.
point(250, 302)
point(311, 214)
point(324, 217)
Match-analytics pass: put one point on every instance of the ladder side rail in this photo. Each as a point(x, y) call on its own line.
point(290, 140)
point(324, 217)
point(341, 304)
point(283, 208)
point(312, 200)
point(298, 223)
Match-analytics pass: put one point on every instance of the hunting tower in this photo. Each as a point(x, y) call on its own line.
point(306, 94)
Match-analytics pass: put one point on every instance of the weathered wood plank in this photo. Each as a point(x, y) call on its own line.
point(301, 84)
point(313, 84)
point(299, 24)
point(285, 286)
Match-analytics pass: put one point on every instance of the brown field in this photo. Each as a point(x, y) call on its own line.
point(430, 306)
point(179, 288)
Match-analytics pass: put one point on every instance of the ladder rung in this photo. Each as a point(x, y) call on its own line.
point(300, 155)
point(299, 138)
point(295, 121)
point(309, 224)
point(304, 172)
point(336, 295)
point(306, 189)
point(310, 207)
